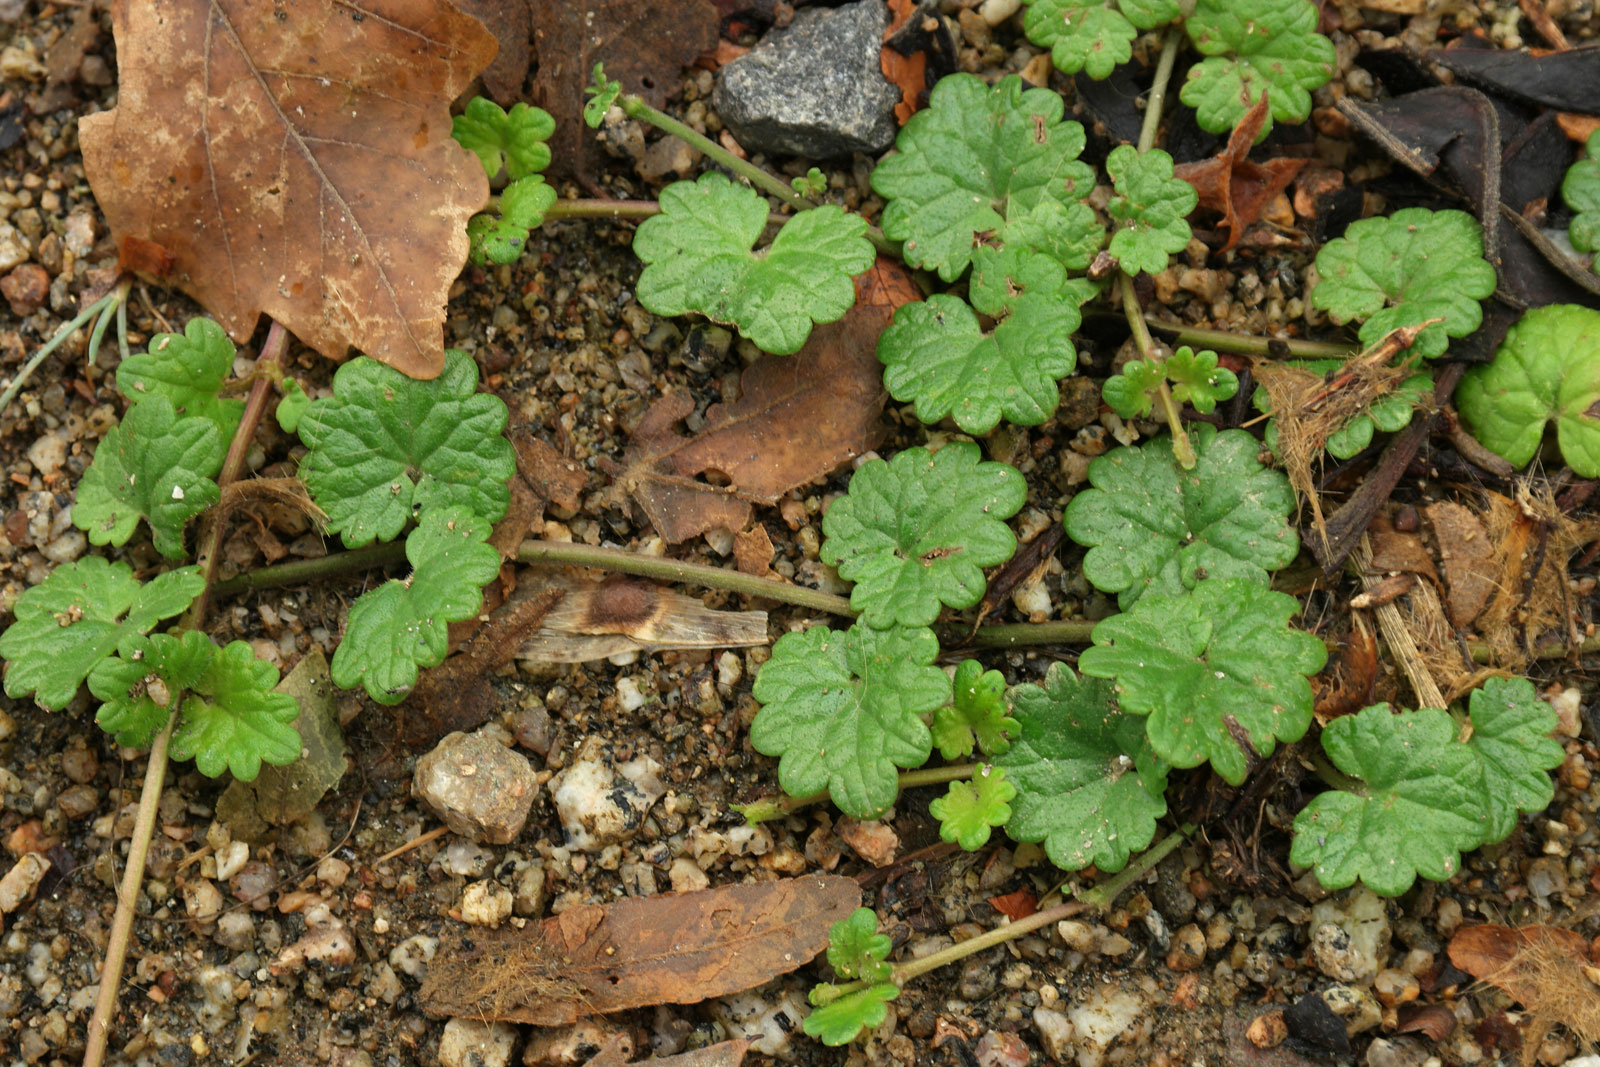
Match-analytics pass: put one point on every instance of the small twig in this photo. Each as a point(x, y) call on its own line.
point(416, 842)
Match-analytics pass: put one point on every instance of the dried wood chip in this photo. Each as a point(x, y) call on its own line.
point(596, 619)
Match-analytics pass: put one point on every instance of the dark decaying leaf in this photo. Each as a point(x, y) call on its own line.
point(1467, 558)
point(296, 160)
point(636, 952)
point(797, 418)
point(1233, 184)
point(1548, 969)
point(597, 618)
point(644, 44)
point(1568, 81)
point(511, 23)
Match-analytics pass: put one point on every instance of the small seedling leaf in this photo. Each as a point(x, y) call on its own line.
point(1405, 269)
point(1255, 47)
point(137, 686)
point(503, 238)
point(840, 1021)
point(384, 446)
point(857, 950)
point(514, 139)
point(1581, 190)
point(699, 258)
point(602, 93)
point(916, 532)
point(1132, 394)
point(976, 715)
point(1511, 730)
point(188, 369)
point(1090, 37)
point(1150, 209)
point(233, 720)
point(77, 617)
point(155, 466)
point(1421, 807)
point(1214, 669)
point(970, 810)
point(1198, 381)
point(972, 159)
point(844, 710)
point(402, 625)
point(812, 183)
point(1546, 370)
point(937, 355)
point(1152, 526)
point(292, 406)
point(1088, 784)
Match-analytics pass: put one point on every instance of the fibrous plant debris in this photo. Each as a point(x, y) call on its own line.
point(1547, 968)
point(676, 949)
point(276, 126)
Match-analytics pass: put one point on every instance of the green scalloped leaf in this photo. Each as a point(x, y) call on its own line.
point(385, 447)
point(843, 711)
point(936, 354)
point(1255, 47)
point(155, 466)
point(134, 707)
point(970, 810)
point(1405, 269)
point(974, 159)
point(1088, 784)
point(1150, 210)
point(1213, 669)
point(515, 139)
point(976, 715)
point(602, 93)
point(188, 369)
point(1090, 37)
point(1546, 370)
point(64, 626)
point(402, 625)
point(1152, 526)
point(233, 720)
point(857, 950)
point(1198, 381)
point(698, 256)
point(840, 1021)
point(1580, 188)
point(916, 532)
point(1421, 808)
point(503, 238)
point(1511, 730)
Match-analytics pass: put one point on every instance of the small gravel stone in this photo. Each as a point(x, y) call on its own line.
point(602, 802)
point(814, 89)
point(25, 289)
point(1350, 935)
point(1267, 1030)
point(329, 944)
point(465, 859)
point(412, 956)
point(13, 247)
point(21, 880)
point(202, 900)
point(574, 1044)
point(480, 788)
point(1105, 1015)
point(236, 930)
point(1395, 987)
point(1357, 1007)
point(1188, 949)
point(471, 1043)
point(231, 859)
point(1055, 1032)
point(486, 903)
point(874, 841)
point(686, 875)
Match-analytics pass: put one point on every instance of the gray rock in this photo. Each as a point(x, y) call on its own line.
point(815, 89)
point(480, 788)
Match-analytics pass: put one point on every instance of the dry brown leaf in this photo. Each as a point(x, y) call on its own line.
point(609, 617)
point(909, 74)
point(797, 418)
point(544, 476)
point(511, 22)
point(1533, 541)
point(636, 952)
point(1234, 185)
point(1345, 686)
point(1546, 968)
point(296, 160)
point(1467, 558)
point(644, 44)
point(886, 285)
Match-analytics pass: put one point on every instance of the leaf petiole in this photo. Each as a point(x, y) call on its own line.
point(1182, 448)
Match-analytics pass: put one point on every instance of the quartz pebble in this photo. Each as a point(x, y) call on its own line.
point(1055, 1033)
point(602, 802)
point(1107, 1014)
point(481, 789)
point(21, 881)
point(1350, 935)
point(472, 1043)
point(486, 903)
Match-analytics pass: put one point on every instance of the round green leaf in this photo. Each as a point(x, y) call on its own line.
point(1255, 47)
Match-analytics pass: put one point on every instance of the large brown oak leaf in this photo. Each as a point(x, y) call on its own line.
point(296, 160)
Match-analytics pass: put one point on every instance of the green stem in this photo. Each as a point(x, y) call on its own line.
point(671, 570)
point(998, 936)
point(308, 571)
point(67, 330)
point(1244, 345)
point(1017, 634)
point(104, 321)
point(1182, 450)
point(1105, 894)
point(636, 108)
point(770, 808)
point(1332, 776)
point(105, 1001)
point(597, 209)
point(1157, 100)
